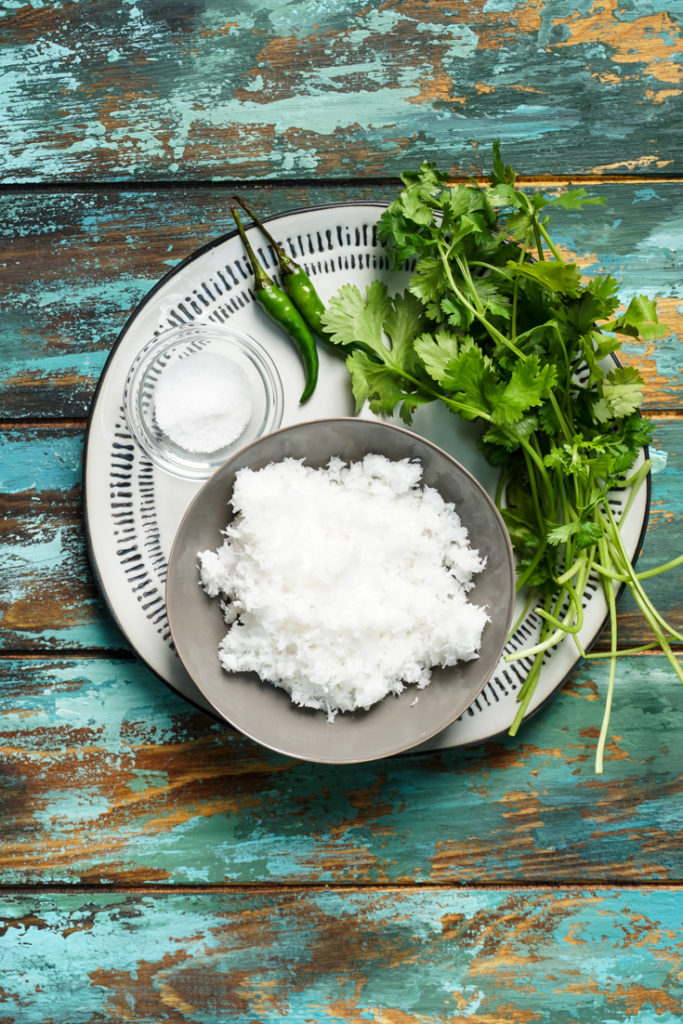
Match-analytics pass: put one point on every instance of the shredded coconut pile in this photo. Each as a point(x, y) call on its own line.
point(342, 585)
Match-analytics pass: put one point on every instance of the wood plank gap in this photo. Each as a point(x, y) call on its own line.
point(195, 185)
point(75, 654)
point(663, 414)
point(49, 423)
point(266, 888)
point(224, 185)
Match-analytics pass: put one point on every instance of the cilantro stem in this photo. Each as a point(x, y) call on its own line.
point(540, 518)
point(525, 697)
point(611, 574)
point(568, 434)
point(621, 653)
point(529, 685)
point(538, 241)
point(526, 574)
point(574, 595)
point(608, 588)
point(635, 482)
point(538, 462)
point(649, 573)
point(549, 241)
point(464, 269)
point(572, 571)
point(528, 604)
point(551, 641)
point(663, 642)
point(632, 579)
point(563, 348)
point(490, 266)
point(534, 674)
point(645, 575)
point(434, 395)
point(574, 601)
point(495, 334)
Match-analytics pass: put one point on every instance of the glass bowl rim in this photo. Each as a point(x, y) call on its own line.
point(199, 466)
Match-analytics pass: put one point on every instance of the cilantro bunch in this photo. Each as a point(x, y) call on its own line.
point(501, 329)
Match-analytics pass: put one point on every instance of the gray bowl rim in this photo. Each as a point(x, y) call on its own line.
point(283, 749)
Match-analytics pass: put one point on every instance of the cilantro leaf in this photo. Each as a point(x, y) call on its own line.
point(576, 199)
point(456, 312)
point(492, 298)
point(403, 324)
point(639, 319)
point(414, 207)
point(588, 534)
point(502, 174)
point(351, 319)
point(528, 386)
point(429, 280)
point(564, 278)
point(474, 382)
point(437, 351)
point(373, 382)
point(622, 389)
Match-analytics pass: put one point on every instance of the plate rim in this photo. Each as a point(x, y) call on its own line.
point(168, 276)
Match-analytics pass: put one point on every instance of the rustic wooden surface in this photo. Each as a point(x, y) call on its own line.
point(179, 90)
point(154, 865)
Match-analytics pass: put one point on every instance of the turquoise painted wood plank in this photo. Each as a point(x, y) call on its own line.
point(75, 265)
point(108, 777)
point(48, 600)
point(336, 957)
point(189, 90)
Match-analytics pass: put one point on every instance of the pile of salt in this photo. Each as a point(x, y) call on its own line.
point(203, 402)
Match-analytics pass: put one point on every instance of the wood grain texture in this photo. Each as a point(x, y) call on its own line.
point(75, 266)
point(109, 778)
point(577, 957)
point(48, 598)
point(49, 601)
point(158, 867)
point(181, 91)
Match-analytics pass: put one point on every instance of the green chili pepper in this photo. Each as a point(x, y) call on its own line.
point(297, 283)
point(281, 309)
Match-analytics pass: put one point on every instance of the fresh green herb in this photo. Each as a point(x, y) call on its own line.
point(501, 329)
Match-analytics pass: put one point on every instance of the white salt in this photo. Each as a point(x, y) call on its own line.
point(344, 584)
point(203, 402)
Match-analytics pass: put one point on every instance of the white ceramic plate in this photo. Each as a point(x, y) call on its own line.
point(133, 510)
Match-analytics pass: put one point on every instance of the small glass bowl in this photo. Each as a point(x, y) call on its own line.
point(240, 355)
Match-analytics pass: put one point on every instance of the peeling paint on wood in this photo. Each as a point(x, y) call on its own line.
point(74, 267)
point(48, 598)
point(108, 777)
point(109, 781)
point(338, 957)
point(191, 90)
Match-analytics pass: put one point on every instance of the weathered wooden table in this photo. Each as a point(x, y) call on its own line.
point(155, 866)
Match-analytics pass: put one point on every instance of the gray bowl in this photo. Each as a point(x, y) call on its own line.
point(265, 713)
